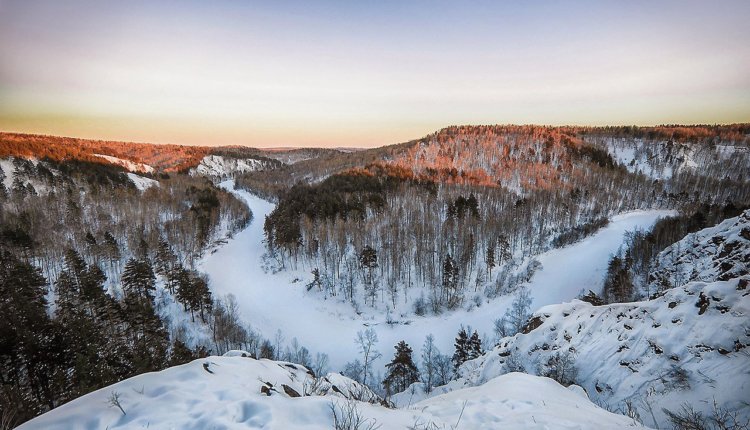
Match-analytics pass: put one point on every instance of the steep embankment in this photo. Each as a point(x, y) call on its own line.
point(721, 252)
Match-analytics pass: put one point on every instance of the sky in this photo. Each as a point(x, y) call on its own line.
point(364, 73)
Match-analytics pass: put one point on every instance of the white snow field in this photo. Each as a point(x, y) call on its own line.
point(188, 397)
point(272, 302)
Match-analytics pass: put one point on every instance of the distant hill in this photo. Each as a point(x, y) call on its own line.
point(141, 157)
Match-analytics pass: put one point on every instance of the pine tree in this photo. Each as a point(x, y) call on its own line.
point(138, 280)
point(369, 260)
point(618, 284)
point(181, 354)
point(165, 259)
point(29, 352)
point(473, 204)
point(401, 371)
point(474, 346)
point(490, 258)
point(450, 281)
point(462, 349)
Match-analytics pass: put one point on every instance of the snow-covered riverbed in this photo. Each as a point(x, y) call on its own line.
point(272, 302)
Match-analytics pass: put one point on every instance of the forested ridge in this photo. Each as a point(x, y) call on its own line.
point(162, 158)
point(530, 188)
point(82, 250)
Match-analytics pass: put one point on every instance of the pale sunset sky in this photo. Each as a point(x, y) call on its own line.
point(370, 73)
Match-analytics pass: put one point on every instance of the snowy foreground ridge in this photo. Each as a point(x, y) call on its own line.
point(236, 392)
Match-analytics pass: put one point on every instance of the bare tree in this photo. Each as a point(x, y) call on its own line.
point(366, 342)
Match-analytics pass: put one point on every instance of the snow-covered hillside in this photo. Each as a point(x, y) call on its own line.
point(718, 253)
point(688, 346)
point(131, 166)
point(141, 182)
point(664, 159)
point(223, 167)
point(235, 392)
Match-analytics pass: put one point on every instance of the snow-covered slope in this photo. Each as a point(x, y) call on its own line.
point(235, 392)
point(718, 253)
point(131, 166)
point(655, 160)
point(224, 167)
point(690, 345)
point(664, 159)
point(142, 182)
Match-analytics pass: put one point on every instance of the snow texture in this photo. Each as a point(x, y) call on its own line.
point(721, 252)
point(226, 393)
point(142, 182)
point(131, 166)
point(655, 354)
point(224, 167)
point(664, 159)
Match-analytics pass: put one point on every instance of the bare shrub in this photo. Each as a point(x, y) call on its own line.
point(346, 416)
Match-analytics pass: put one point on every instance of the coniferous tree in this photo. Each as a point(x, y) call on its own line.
point(30, 350)
point(618, 283)
point(490, 258)
point(474, 346)
point(181, 354)
point(401, 371)
point(138, 280)
point(165, 259)
point(462, 349)
point(369, 260)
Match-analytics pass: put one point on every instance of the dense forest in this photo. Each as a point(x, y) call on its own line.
point(455, 218)
point(99, 283)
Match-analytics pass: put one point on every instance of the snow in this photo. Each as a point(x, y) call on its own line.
point(717, 253)
point(189, 397)
point(663, 159)
point(8, 169)
point(142, 182)
point(635, 351)
point(222, 167)
point(271, 302)
point(518, 400)
point(127, 164)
